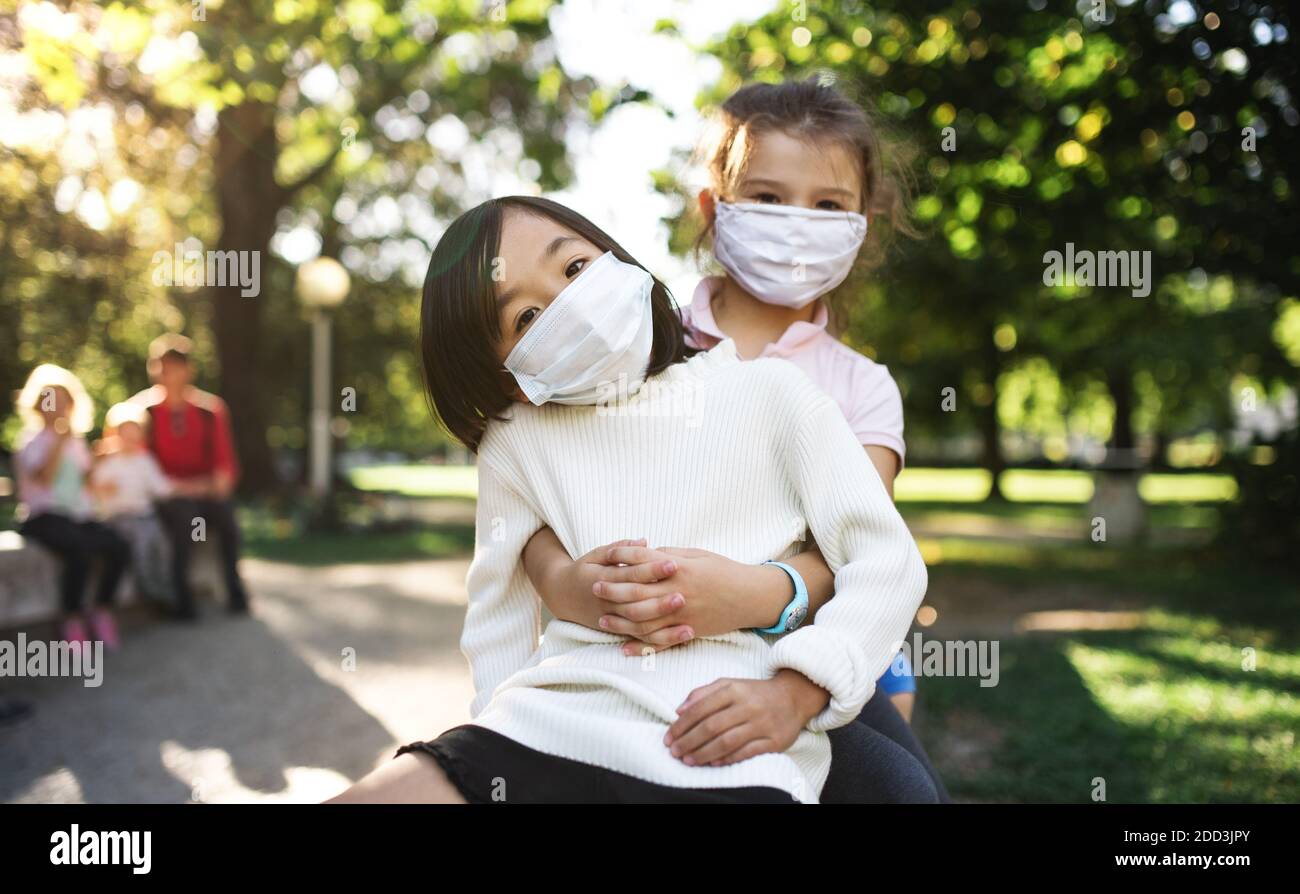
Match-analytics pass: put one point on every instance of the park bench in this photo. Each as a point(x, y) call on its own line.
point(29, 581)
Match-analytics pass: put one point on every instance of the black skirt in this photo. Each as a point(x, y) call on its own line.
point(489, 768)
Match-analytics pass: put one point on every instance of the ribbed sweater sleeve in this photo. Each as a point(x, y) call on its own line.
point(880, 577)
point(503, 622)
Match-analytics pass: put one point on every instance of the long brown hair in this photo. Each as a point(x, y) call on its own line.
point(459, 325)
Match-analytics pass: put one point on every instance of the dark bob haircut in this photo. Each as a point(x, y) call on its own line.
point(459, 325)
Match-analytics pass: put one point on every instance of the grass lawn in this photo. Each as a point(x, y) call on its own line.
point(1161, 707)
point(419, 480)
point(1162, 713)
point(1062, 486)
point(319, 548)
point(914, 485)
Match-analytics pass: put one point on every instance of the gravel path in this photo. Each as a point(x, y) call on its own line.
point(261, 708)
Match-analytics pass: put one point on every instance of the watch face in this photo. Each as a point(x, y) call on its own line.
point(796, 618)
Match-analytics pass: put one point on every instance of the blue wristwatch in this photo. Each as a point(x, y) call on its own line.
point(797, 610)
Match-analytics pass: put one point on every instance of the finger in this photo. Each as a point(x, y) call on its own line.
point(644, 573)
point(636, 648)
point(725, 743)
point(601, 550)
point(655, 608)
point(705, 691)
point(659, 640)
point(699, 739)
point(630, 555)
point(698, 705)
point(752, 748)
point(622, 594)
point(618, 595)
point(615, 623)
point(624, 627)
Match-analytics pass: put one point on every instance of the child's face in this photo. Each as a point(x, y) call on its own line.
point(130, 435)
point(54, 403)
point(538, 258)
point(788, 171)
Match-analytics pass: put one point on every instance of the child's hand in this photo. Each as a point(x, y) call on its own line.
point(730, 720)
point(577, 583)
point(638, 595)
point(666, 597)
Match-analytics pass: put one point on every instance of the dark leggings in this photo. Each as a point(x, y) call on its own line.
point(77, 544)
point(876, 759)
point(178, 516)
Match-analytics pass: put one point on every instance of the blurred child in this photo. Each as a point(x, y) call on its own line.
point(52, 464)
point(126, 482)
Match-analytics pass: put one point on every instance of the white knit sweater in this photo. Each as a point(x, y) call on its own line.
point(740, 458)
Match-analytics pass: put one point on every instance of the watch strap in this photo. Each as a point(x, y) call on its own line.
point(797, 609)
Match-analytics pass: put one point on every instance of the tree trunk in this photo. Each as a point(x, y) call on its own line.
point(989, 425)
point(248, 198)
point(1160, 457)
point(1116, 498)
point(1120, 385)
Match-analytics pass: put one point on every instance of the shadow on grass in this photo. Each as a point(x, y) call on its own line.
point(1163, 711)
point(1195, 582)
point(1221, 662)
point(1069, 710)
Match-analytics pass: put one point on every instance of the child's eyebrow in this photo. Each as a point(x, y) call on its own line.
point(831, 190)
point(759, 181)
point(840, 191)
point(555, 245)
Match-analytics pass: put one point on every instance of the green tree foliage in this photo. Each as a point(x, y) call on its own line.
point(1136, 127)
point(233, 123)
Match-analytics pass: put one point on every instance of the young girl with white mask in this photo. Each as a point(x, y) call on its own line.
point(797, 175)
point(556, 357)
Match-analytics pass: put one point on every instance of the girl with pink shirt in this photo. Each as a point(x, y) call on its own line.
point(797, 174)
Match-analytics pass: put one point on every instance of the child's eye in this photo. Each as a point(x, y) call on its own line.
point(767, 198)
point(830, 205)
point(525, 318)
point(574, 268)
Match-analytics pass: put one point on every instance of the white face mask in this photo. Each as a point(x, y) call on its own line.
point(786, 255)
point(596, 334)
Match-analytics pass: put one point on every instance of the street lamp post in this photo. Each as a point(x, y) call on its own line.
point(322, 284)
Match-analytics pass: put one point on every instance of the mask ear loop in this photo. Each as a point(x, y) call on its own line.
point(860, 231)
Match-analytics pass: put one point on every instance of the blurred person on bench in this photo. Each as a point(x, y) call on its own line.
point(52, 464)
point(189, 435)
point(127, 482)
